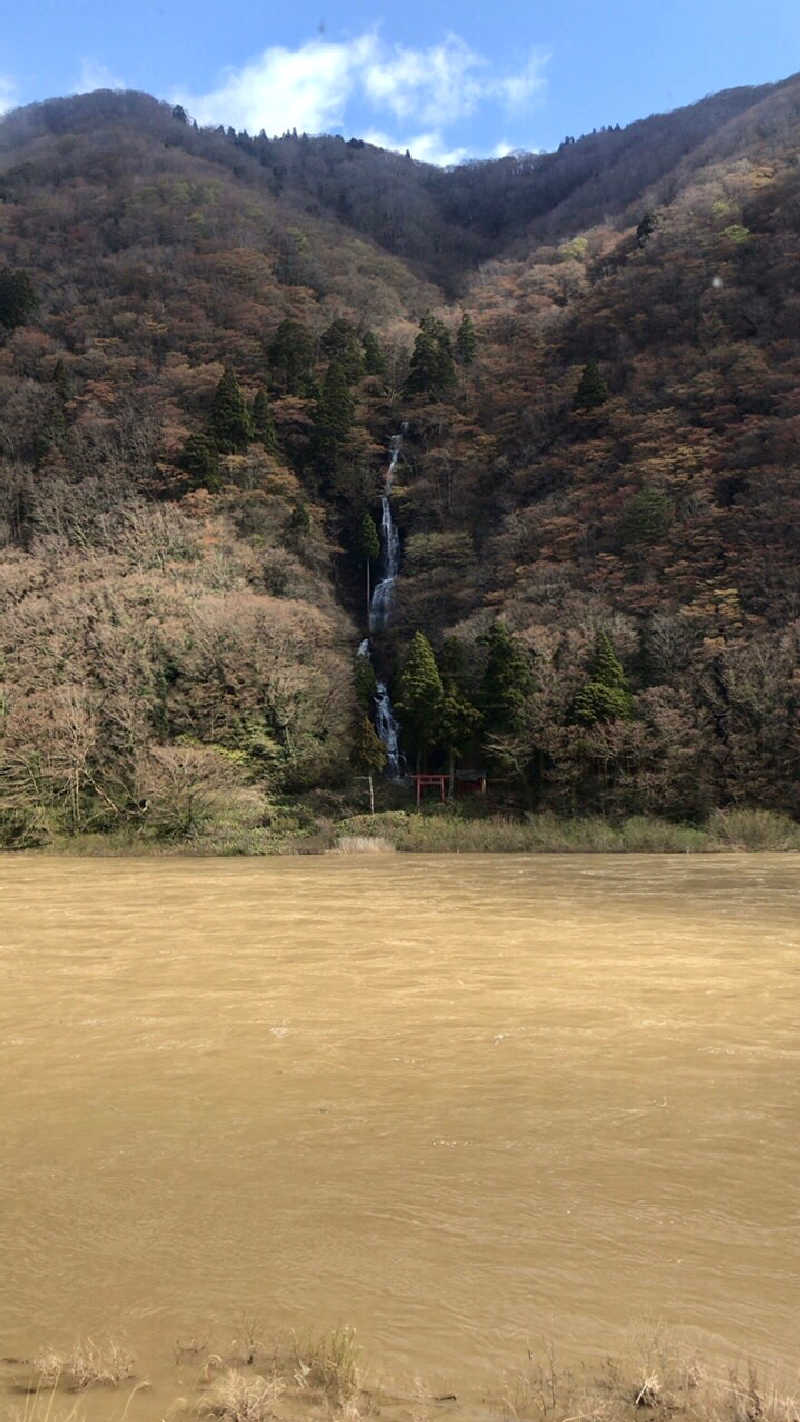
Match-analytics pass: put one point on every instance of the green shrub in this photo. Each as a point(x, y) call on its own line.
point(24, 828)
point(642, 834)
point(645, 519)
point(753, 829)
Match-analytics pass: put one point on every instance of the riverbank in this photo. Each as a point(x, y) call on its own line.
point(547, 834)
point(441, 830)
point(661, 1374)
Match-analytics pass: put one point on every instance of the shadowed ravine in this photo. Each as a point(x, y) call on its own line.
point(460, 1104)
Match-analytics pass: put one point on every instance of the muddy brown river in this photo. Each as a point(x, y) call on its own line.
point(461, 1103)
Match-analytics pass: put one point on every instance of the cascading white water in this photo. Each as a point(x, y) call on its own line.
point(387, 729)
point(379, 609)
point(381, 602)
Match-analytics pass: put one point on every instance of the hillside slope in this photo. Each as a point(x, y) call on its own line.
point(205, 346)
point(666, 512)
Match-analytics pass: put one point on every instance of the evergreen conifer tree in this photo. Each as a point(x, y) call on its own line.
point(263, 423)
point(466, 340)
point(645, 518)
point(446, 370)
point(62, 381)
point(368, 754)
point(423, 366)
point(18, 300)
point(374, 359)
point(230, 424)
point(592, 390)
point(369, 545)
point(607, 695)
point(199, 458)
point(366, 682)
point(453, 663)
point(645, 229)
point(340, 343)
point(458, 721)
point(431, 369)
point(507, 681)
point(291, 358)
point(298, 523)
point(420, 695)
point(335, 407)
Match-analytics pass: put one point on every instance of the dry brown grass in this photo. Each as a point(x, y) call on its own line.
point(362, 844)
point(87, 1364)
point(48, 1404)
point(242, 1397)
point(43, 1405)
point(660, 1376)
point(329, 1365)
point(544, 1390)
point(741, 1395)
point(247, 1379)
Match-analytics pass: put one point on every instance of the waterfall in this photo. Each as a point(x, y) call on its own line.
point(379, 610)
point(387, 729)
point(380, 605)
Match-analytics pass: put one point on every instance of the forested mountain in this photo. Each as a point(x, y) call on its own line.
point(207, 340)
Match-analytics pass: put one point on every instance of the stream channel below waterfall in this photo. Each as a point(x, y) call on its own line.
point(465, 1104)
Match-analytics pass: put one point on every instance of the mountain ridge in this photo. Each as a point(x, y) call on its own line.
point(548, 190)
point(183, 584)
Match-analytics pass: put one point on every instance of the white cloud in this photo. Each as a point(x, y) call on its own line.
point(8, 93)
point(96, 76)
point(311, 88)
point(448, 82)
point(430, 147)
point(518, 90)
point(306, 88)
point(435, 85)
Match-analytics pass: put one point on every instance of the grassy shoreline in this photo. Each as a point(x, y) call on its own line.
point(661, 1374)
point(440, 830)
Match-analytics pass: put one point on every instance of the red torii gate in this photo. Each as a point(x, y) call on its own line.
point(440, 780)
point(471, 781)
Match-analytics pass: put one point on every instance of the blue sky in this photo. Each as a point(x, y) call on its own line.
point(446, 81)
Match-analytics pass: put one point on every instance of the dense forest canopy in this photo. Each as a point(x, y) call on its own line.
point(208, 338)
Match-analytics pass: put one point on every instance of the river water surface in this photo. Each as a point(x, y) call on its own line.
point(461, 1103)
